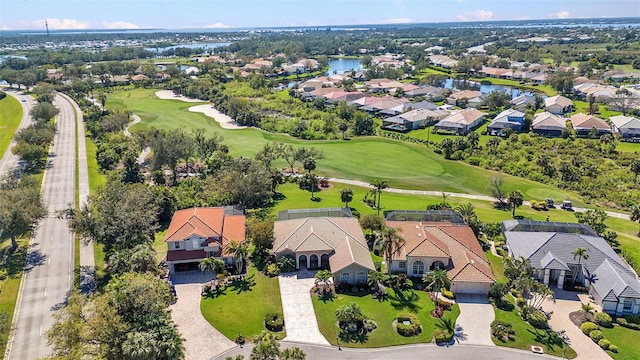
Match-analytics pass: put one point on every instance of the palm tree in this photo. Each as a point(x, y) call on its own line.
point(350, 313)
point(346, 195)
point(376, 278)
point(515, 199)
point(266, 347)
point(378, 186)
point(579, 253)
point(436, 279)
point(635, 215)
point(324, 277)
point(467, 212)
point(240, 251)
point(211, 264)
point(389, 242)
point(293, 353)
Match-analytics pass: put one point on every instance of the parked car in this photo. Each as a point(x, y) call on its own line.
point(24, 100)
point(566, 205)
point(549, 202)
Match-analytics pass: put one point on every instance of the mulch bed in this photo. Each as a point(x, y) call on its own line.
point(579, 317)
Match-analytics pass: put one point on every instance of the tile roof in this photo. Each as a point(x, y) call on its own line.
point(551, 262)
point(204, 222)
point(447, 240)
point(547, 120)
point(293, 234)
point(349, 252)
point(611, 284)
point(581, 120)
point(558, 100)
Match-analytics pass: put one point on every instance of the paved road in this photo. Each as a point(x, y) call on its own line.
point(409, 352)
point(49, 269)
point(87, 260)
point(458, 195)
point(10, 161)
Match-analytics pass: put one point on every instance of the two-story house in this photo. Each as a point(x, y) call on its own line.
point(197, 233)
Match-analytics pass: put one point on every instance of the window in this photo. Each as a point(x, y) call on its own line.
point(362, 277)
point(418, 268)
point(195, 243)
point(176, 245)
point(437, 265)
point(628, 304)
point(402, 264)
point(346, 278)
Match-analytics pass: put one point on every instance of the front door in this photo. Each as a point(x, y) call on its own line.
point(302, 262)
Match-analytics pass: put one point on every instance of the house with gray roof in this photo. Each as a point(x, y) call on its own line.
point(627, 126)
point(508, 119)
point(549, 248)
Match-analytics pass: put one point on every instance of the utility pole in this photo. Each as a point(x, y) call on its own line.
point(46, 25)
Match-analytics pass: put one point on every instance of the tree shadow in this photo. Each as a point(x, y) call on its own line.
point(504, 305)
point(12, 260)
point(548, 338)
point(219, 291)
point(35, 258)
point(242, 284)
point(359, 337)
point(326, 296)
point(405, 300)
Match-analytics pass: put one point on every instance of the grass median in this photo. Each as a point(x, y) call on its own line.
point(10, 117)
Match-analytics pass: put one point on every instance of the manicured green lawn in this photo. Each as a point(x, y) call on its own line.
point(13, 265)
point(497, 267)
point(626, 340)
point(603, 112)
point(546, 89)
point(240, 310)
point(96, 179)
point(526, 335)
point(383, 313)
point(10, 117)
point(403, 165)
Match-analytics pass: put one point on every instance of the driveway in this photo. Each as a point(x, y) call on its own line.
point(473, 326)
point(299, 318)
point(568, 302)
point(201, 340)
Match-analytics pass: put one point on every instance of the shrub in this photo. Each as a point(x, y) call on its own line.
point(596, 335)
point(3, 95)
point(604, 343)
point(446, 293)
point(634, 319)
point(273, 270)
point(603, 319)
point(442, 336)
point(274, 322)
point(521, 302)
point(537, 319)
point(588, 327)
point(3, 274)
point(622, 321)
point(412, 328)
point(502, 331)
point(613, 349)
point(515, 293)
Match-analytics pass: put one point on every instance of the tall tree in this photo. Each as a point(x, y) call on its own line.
point(580, 254)
point(515, 200)
point(240, 251)
point(467, 212)
point(43, 112)
point(378, 186)
point(265, 347)
point(346, 195)
point(437, 279)
point(635, 215)
point(495, 187)
point(21, 207)
point(389, 242)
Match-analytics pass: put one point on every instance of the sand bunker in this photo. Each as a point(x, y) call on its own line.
point(169, 95)
point(224, 120)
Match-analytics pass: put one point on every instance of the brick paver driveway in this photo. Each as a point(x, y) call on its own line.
point(201, 340)
point(299, 318)
point(473, 326)
point(566, 303)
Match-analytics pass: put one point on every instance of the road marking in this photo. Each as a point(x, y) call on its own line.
point(45, 292)
point(40, 330)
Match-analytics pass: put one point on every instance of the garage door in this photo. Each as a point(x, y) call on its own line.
point(470, 288)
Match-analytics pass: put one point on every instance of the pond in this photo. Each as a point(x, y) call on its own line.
point(484, 88)
point(339, 66)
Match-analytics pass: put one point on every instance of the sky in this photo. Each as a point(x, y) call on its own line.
point(185, 14)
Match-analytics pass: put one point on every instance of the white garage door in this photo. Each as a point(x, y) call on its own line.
point(470, 288)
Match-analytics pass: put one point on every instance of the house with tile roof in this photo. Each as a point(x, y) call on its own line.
point(549, 247)
point(198, 233)
point(445, 245)
point(558, 105)
point(583, 124)
point(461, 122)
point(324, 242)
point(548, 124)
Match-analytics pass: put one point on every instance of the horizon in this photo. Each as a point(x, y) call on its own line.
point(28, 15)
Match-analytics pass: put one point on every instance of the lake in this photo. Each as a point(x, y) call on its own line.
point(485, 89)
point(339, 66)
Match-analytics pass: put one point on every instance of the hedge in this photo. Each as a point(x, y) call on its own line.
point(604, 343)
point(411, 329)
point(588, 327)
point(603, 319)
point(596, 335)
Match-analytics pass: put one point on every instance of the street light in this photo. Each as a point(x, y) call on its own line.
point(338, 342)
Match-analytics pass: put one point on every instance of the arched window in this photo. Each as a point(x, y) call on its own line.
point(418, 268)
point(437, 265)
point(362, 277)
point(346, 278)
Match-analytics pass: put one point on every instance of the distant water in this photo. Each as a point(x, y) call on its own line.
point(205, 46)
point(339, 66)
point(485, 89)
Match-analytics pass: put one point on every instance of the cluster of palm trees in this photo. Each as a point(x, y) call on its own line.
point(240, 252)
